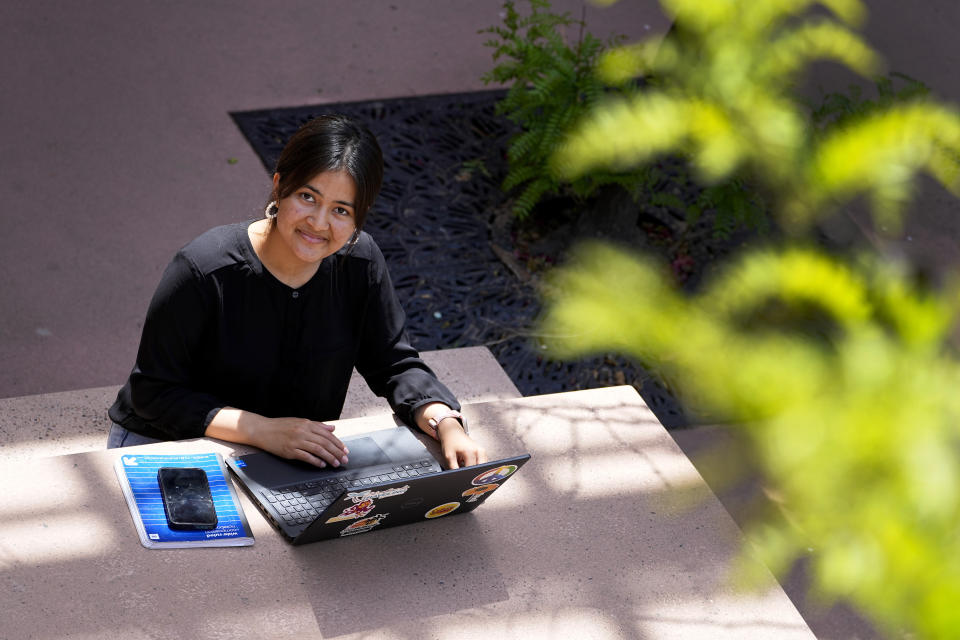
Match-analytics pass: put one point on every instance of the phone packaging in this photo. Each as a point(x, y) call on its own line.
point(182, 500)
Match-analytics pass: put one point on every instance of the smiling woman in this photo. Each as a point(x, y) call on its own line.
point(255, 327)
point(315, 221)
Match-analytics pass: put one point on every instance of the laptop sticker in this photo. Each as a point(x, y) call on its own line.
point(373, 494)
point(442, 510)
point(363, 502)
point(362, 526)
point(474, 493)
point(354, 511)
point(494, 475)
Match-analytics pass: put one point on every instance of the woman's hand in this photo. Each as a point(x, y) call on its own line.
point(294, 438)
point(301, 439)
point(459, 449)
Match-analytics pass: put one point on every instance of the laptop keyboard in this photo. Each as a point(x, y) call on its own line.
point(301, 504)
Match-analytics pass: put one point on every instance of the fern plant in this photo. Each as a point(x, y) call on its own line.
point(734, 202)
point(836, 108)
point(552, 85)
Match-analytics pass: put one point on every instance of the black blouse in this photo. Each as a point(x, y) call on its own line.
point(222, 331)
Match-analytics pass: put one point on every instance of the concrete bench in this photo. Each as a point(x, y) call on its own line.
point(76, 421)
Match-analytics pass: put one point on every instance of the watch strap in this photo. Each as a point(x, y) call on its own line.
point(435, 421)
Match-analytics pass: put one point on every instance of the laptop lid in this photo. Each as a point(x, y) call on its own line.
point(420, 498)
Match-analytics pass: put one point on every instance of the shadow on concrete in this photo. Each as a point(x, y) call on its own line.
point(624, 540)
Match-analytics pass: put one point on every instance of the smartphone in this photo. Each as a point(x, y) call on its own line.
point(187, 500)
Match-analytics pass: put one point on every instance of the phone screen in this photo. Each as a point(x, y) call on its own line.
point(187, 500)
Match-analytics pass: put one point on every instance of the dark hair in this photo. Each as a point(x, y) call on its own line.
point(332, 143)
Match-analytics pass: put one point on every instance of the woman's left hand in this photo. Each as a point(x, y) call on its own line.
point(459, 449)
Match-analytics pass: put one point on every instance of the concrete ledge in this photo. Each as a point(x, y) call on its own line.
point(472, 373)
point(76, 421)
point(51, 424)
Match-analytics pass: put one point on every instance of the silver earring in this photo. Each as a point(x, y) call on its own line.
point(271, 210)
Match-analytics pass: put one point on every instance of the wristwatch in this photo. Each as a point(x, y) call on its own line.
point(435, 421)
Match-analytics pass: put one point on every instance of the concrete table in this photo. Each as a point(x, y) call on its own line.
point(608, 532)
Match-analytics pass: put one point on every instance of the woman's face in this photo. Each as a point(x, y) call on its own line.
point(317, 219)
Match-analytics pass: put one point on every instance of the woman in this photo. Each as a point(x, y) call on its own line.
point(255, 327)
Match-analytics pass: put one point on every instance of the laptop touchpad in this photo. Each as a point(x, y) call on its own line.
point(271, 471)
point(364, 452)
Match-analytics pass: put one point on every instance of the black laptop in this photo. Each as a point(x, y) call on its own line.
point(391, 479)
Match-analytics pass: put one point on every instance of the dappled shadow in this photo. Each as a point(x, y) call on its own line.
point(607, 530)
point(71, 562)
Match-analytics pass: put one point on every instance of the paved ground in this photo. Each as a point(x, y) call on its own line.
point(116, 141)
point(116, 138)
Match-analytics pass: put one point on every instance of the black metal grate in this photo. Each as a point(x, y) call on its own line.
point(432, 221)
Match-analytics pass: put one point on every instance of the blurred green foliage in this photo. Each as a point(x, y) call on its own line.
point(841, 373)
point(725, 98)
point(852, 406)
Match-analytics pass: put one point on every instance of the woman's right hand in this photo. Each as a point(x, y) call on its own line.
point(294, 438)
point(301, 439)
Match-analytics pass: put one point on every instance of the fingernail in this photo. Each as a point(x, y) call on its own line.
point(322, 463)
point(346, 451)
point(344, 459)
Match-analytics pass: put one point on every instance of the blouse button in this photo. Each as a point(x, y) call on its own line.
point(296, 294)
